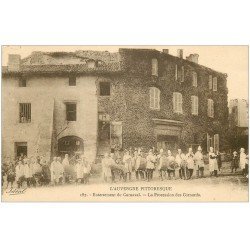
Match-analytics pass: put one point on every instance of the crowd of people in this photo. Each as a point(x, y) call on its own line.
point(168, 166)
point(37, 171)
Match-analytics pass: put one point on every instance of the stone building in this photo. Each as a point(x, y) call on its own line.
point(238, 123)
point(92, 101)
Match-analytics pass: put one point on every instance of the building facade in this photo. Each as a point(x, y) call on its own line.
point(238, 122)
point(91, 101)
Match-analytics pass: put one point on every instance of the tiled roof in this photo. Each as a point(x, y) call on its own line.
point(67, 68)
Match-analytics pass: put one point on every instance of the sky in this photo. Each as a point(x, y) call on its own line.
point(232, 60)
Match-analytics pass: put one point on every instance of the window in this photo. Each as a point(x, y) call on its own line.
point(210, 81)
point(71, 111)
point(155, 98)
point(21, 149)
point(176, 72)
point(22, 82)
point(209, 142)
point(72, 80)
point(194, 79)
point(177, 102)
point(104, 89)
point(210, 110)
point(154, 67)
point(216, 142)
point(194, 103)
point(24, 112)
point(215, 84)
point(182, 74)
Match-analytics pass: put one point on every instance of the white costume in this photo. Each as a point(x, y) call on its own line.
point(79, 170)
point(213, 164)
point(190, 160)
point(127, 160)
point(179, 159)
point(28, 170)
point(151, 159)
point(243, 161)
point(106, 167)
point(199, 160)
point(19, 171)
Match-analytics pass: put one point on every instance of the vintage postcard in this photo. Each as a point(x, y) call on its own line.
point(125, 123)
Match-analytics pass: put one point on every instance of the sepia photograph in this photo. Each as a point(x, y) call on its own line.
point(125, 123)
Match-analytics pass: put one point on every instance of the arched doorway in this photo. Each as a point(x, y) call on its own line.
point(70, 145)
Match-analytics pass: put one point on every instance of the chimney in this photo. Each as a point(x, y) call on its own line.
point(193, 58)
point(165, 51)
point(180, 53)
point(14, 62)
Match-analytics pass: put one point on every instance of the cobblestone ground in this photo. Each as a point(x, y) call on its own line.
point(226, 187)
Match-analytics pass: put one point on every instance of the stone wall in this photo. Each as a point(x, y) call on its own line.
point(47, 96)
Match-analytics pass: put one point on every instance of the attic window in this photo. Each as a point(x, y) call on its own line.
point(104, 89)
point(91, 64)
point(22, 82)
point(72, 80)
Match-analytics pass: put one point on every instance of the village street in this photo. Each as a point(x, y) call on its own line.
point(225, 187)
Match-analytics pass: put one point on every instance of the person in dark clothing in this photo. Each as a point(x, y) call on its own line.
point(219, 161)
point(235, 162)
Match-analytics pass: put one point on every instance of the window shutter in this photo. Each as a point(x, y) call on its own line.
point(216, 142)
point(208, 108)
point(192, 105)
point(212, 108)
point(196, 105)
point(158, 100)
point(151, 98)
point(176, 72)
point(175, 102)
point(208, 142)
point(182, 74)
point(180, 102)
point(210, 81)
point(77, 80)
point(155, 98)
point(154, 67)
point(215, 84)
point(194, 79)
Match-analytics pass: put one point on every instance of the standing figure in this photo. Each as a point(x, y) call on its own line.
point(20, 174)
point(60, 170)
point(140, 166)
point(151, 160)
point(28, 173)
point(199, 163)
point(163, 164)
point(171, 165)
point(66, 168)
point(86, 170)
point(181, 166)
point(235, 162)
point(246, 168)
point(52, 170)
point(106, 170)
point(243, 157)
point(213, 165)
point(190, 162)
point(10, 176)
point(127, 160)
point(219, 161)
point(79, 171)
